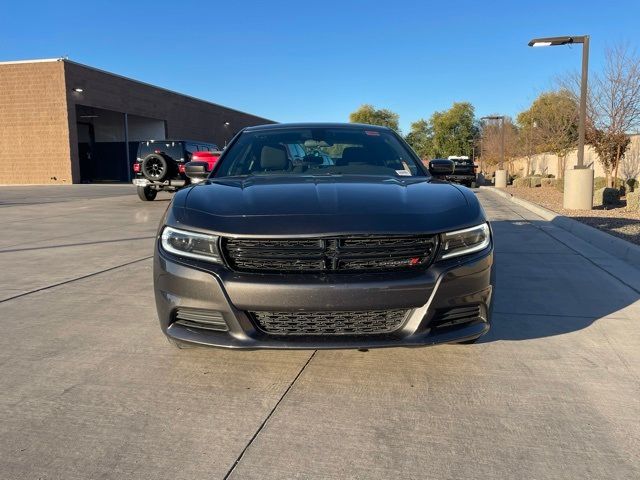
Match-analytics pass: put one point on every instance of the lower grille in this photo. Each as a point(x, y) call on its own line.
point(358, 253)
point(330, 323)
point(455, 316)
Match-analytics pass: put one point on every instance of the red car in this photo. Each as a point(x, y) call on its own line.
point(209, 157)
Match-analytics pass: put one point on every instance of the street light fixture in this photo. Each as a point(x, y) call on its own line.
point(501, 175)
point(577, 194)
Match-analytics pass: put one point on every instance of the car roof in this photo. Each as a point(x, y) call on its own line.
point(280, 126)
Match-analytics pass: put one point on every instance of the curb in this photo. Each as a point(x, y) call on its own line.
point(617, 247)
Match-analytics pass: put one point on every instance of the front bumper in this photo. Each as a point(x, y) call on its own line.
point(169, 184)
point(462, 178)
point(183, 284)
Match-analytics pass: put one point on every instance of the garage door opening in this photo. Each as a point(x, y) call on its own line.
point(108, 142)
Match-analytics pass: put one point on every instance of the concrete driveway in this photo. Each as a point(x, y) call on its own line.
point(89, 388)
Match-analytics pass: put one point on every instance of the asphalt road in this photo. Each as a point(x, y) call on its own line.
point(89, 387)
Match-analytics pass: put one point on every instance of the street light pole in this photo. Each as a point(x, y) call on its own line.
point(501, 143)
point(583, 100)
point(578, 188)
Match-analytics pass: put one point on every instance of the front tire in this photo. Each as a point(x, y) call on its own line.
point(147, 194)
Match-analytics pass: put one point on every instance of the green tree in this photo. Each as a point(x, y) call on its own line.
point(420, 138)
point(450, 132)
point(551, 123)
point(370, 115)
point(453, 130)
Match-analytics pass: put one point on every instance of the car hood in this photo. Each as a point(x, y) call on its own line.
point(280, 206)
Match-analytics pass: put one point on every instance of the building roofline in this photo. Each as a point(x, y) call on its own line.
point(66, 60)
point(35, 60)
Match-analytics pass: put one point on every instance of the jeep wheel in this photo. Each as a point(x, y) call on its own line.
point(147, 194)
point(155, 168)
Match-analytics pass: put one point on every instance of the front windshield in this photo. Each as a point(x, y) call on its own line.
point(318, 151)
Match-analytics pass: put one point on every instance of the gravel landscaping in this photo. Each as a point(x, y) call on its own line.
point(614, 220)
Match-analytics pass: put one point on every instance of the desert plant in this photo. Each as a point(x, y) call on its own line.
point(535, 181)
point(522, 182)
point(606, 196)
point(547, 182)
point(632, 183)
point(559, 184)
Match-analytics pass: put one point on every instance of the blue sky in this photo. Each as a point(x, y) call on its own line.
point(318, 61)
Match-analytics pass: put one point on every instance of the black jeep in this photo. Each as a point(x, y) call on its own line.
point(160, 165)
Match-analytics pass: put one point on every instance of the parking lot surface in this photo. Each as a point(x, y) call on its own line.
point(89, 387)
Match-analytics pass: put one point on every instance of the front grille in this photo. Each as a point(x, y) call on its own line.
point(339, 254)
point(330, 323)
point(455, 316)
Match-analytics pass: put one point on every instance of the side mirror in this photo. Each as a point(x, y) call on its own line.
point(197, 171)
point(441, 167)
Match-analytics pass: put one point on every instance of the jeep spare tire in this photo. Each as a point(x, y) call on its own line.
point(155, 168)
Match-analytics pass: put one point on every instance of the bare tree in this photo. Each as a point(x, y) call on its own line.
point(613, 106)
point(491, 140)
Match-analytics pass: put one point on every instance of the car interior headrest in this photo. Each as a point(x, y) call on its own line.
point(273, 157)
point(352, 155)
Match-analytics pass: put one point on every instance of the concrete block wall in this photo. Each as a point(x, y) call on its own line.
point(34, 129)
point(547, 163)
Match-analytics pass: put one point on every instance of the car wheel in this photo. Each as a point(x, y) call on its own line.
point(147, 194)
point(155, 168)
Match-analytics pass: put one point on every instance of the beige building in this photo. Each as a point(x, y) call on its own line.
point(547, 163)
point(63, 122)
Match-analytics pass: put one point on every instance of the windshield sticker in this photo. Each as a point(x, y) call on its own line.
point(403, 173)
point(372, 133)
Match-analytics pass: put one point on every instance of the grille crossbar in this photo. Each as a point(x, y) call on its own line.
point(339, 254)
point(330, 323)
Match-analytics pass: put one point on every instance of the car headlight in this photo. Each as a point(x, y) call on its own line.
point(463, 242)
point(191, 244)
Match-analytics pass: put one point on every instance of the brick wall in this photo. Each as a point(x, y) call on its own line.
point(34, 131)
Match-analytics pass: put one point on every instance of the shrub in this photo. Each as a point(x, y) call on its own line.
point(632, 183)
point(560, 184)
point(521, 182)
point(633, 201)
point(551, 175)
point(547, 182)
point(599, 183)
point(606, 196)
point(535, 181)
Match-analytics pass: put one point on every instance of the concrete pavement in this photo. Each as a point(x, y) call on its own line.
point(90, 389)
